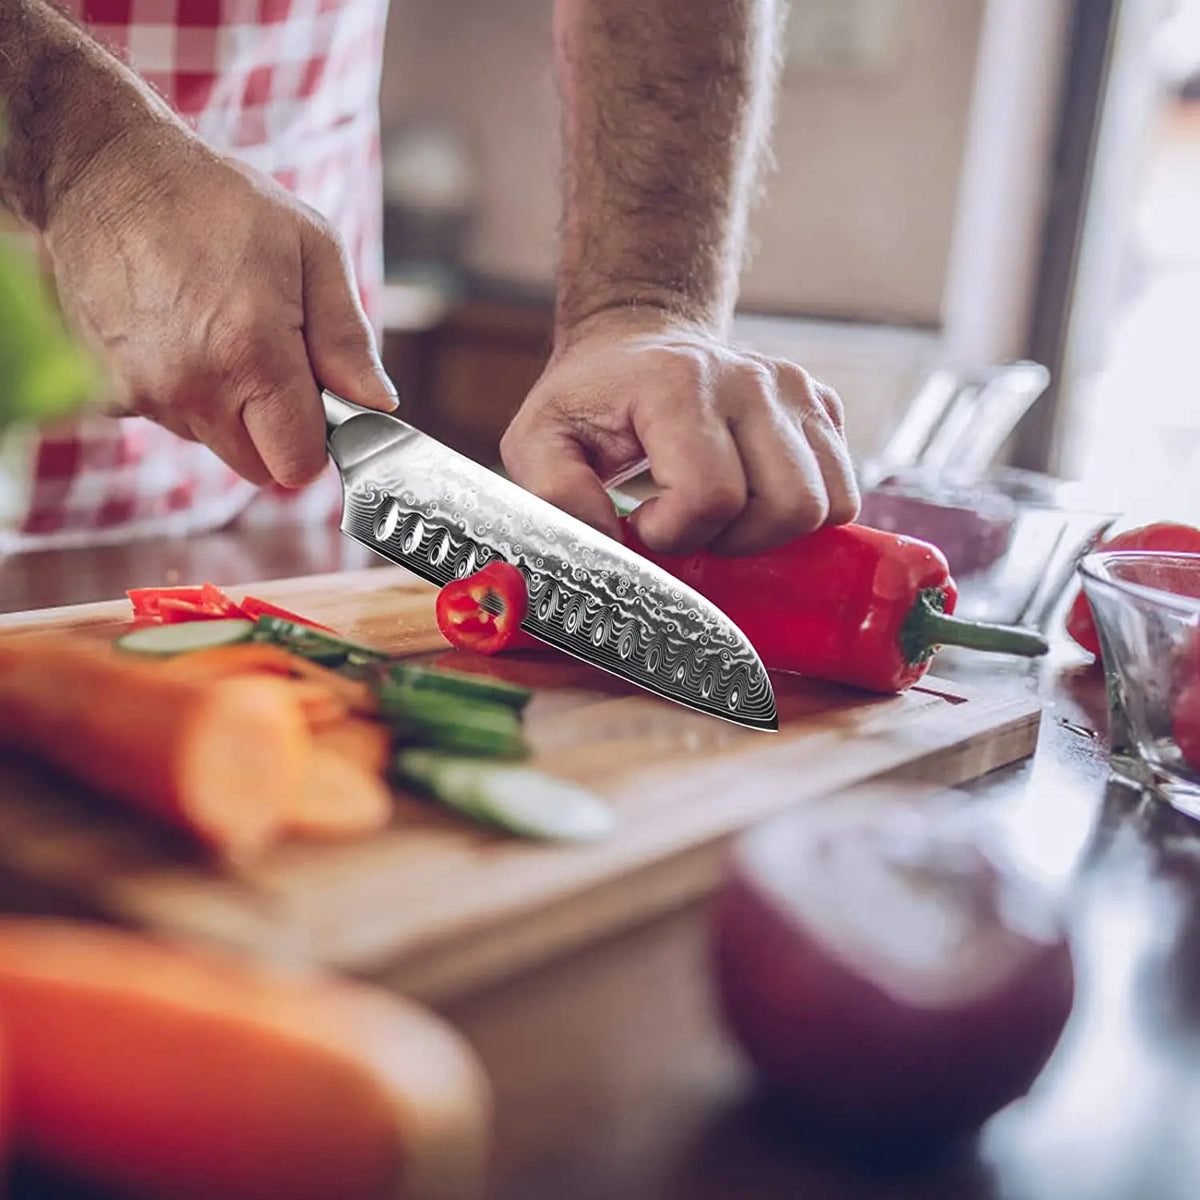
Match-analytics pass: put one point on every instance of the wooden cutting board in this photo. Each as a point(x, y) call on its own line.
point(435, 906)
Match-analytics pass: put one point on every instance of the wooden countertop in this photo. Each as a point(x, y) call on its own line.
point(612, 1077)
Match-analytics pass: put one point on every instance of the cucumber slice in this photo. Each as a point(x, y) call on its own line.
point(186, 636)
point(452, 723)
point(520, 800)
point(456, 683)
point(314, 644)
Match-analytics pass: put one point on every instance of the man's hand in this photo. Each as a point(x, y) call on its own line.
point(221, 304)
point(747, 451)
point(666, 107)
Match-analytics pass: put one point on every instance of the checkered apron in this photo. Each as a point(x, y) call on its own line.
point(290, 87)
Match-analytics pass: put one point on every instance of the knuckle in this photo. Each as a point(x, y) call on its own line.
point(760, 377)
point(798, 511)
point(513, 443)
point(294, 460)
point(832, 404)
point(294, 467)
point(809, 397)
point(684, 371)
point(320, 229)
point(844, 509)
point(811, 513)
point(721, 501)
point(234, 346)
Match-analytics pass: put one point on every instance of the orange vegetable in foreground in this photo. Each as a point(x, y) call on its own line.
point(340, 798)
point(220, 760)
point(367, 743)
point(254, 658)
point(171, 1075)
point(237, 746)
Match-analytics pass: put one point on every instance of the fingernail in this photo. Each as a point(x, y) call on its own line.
point(390, 388)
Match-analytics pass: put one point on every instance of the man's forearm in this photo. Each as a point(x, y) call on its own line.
point(63, 98)
point(666, 110)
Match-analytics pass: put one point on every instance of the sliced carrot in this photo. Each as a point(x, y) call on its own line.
point(366, 743)
point(322, 708)
point(253, 658)
point(148, 1070)
point(220, 760)
point(227, 662)
point(358, 696)
point(340, 798)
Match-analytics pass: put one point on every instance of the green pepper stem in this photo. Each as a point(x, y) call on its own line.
point(928, 627)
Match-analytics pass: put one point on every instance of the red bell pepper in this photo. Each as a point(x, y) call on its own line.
point(484, 612)
point(253, 607)
point(1163, 536)
point(846, 604)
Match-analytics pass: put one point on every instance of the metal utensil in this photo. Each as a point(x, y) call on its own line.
point(958, 422)
point(442, 516)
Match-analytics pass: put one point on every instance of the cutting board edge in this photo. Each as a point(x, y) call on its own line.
point(450, 969)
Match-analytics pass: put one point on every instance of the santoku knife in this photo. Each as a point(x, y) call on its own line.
point(442, 516)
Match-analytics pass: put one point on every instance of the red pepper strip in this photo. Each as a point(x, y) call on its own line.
point(217, 602)
point(145, 601)
point(483, 612)
point(253, 607)
point(846, 604)
point(1163, 535)
point(176, 612)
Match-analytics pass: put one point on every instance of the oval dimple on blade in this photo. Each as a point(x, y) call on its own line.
point(589, 596)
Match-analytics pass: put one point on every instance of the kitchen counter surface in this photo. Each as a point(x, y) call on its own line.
point(612, 1077)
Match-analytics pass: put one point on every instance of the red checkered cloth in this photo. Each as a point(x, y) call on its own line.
point(290, 87)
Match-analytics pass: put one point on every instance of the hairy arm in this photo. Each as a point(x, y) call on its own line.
point(64, 99)
point(666, 111)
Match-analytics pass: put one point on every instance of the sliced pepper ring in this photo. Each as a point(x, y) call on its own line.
point(483, 613)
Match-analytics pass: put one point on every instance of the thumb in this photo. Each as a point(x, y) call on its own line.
point(341, 345)
point(553, 465)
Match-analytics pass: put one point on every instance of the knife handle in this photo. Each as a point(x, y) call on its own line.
point(338, 410)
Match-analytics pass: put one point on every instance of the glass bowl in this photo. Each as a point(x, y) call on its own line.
point(1147, 612)
point(1013, 540)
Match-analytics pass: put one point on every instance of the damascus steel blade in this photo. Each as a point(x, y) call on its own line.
point(442, 516)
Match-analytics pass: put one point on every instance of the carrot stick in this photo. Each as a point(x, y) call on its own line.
point(339, 799)
point(324, 700)
point(251, 658)
point(220, 760)
point(365, 743)
point(225, 662)
point(322, 708)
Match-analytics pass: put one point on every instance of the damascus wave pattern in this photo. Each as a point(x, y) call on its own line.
point(588, 596)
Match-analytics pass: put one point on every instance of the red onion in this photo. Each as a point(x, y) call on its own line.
point(891, 976)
